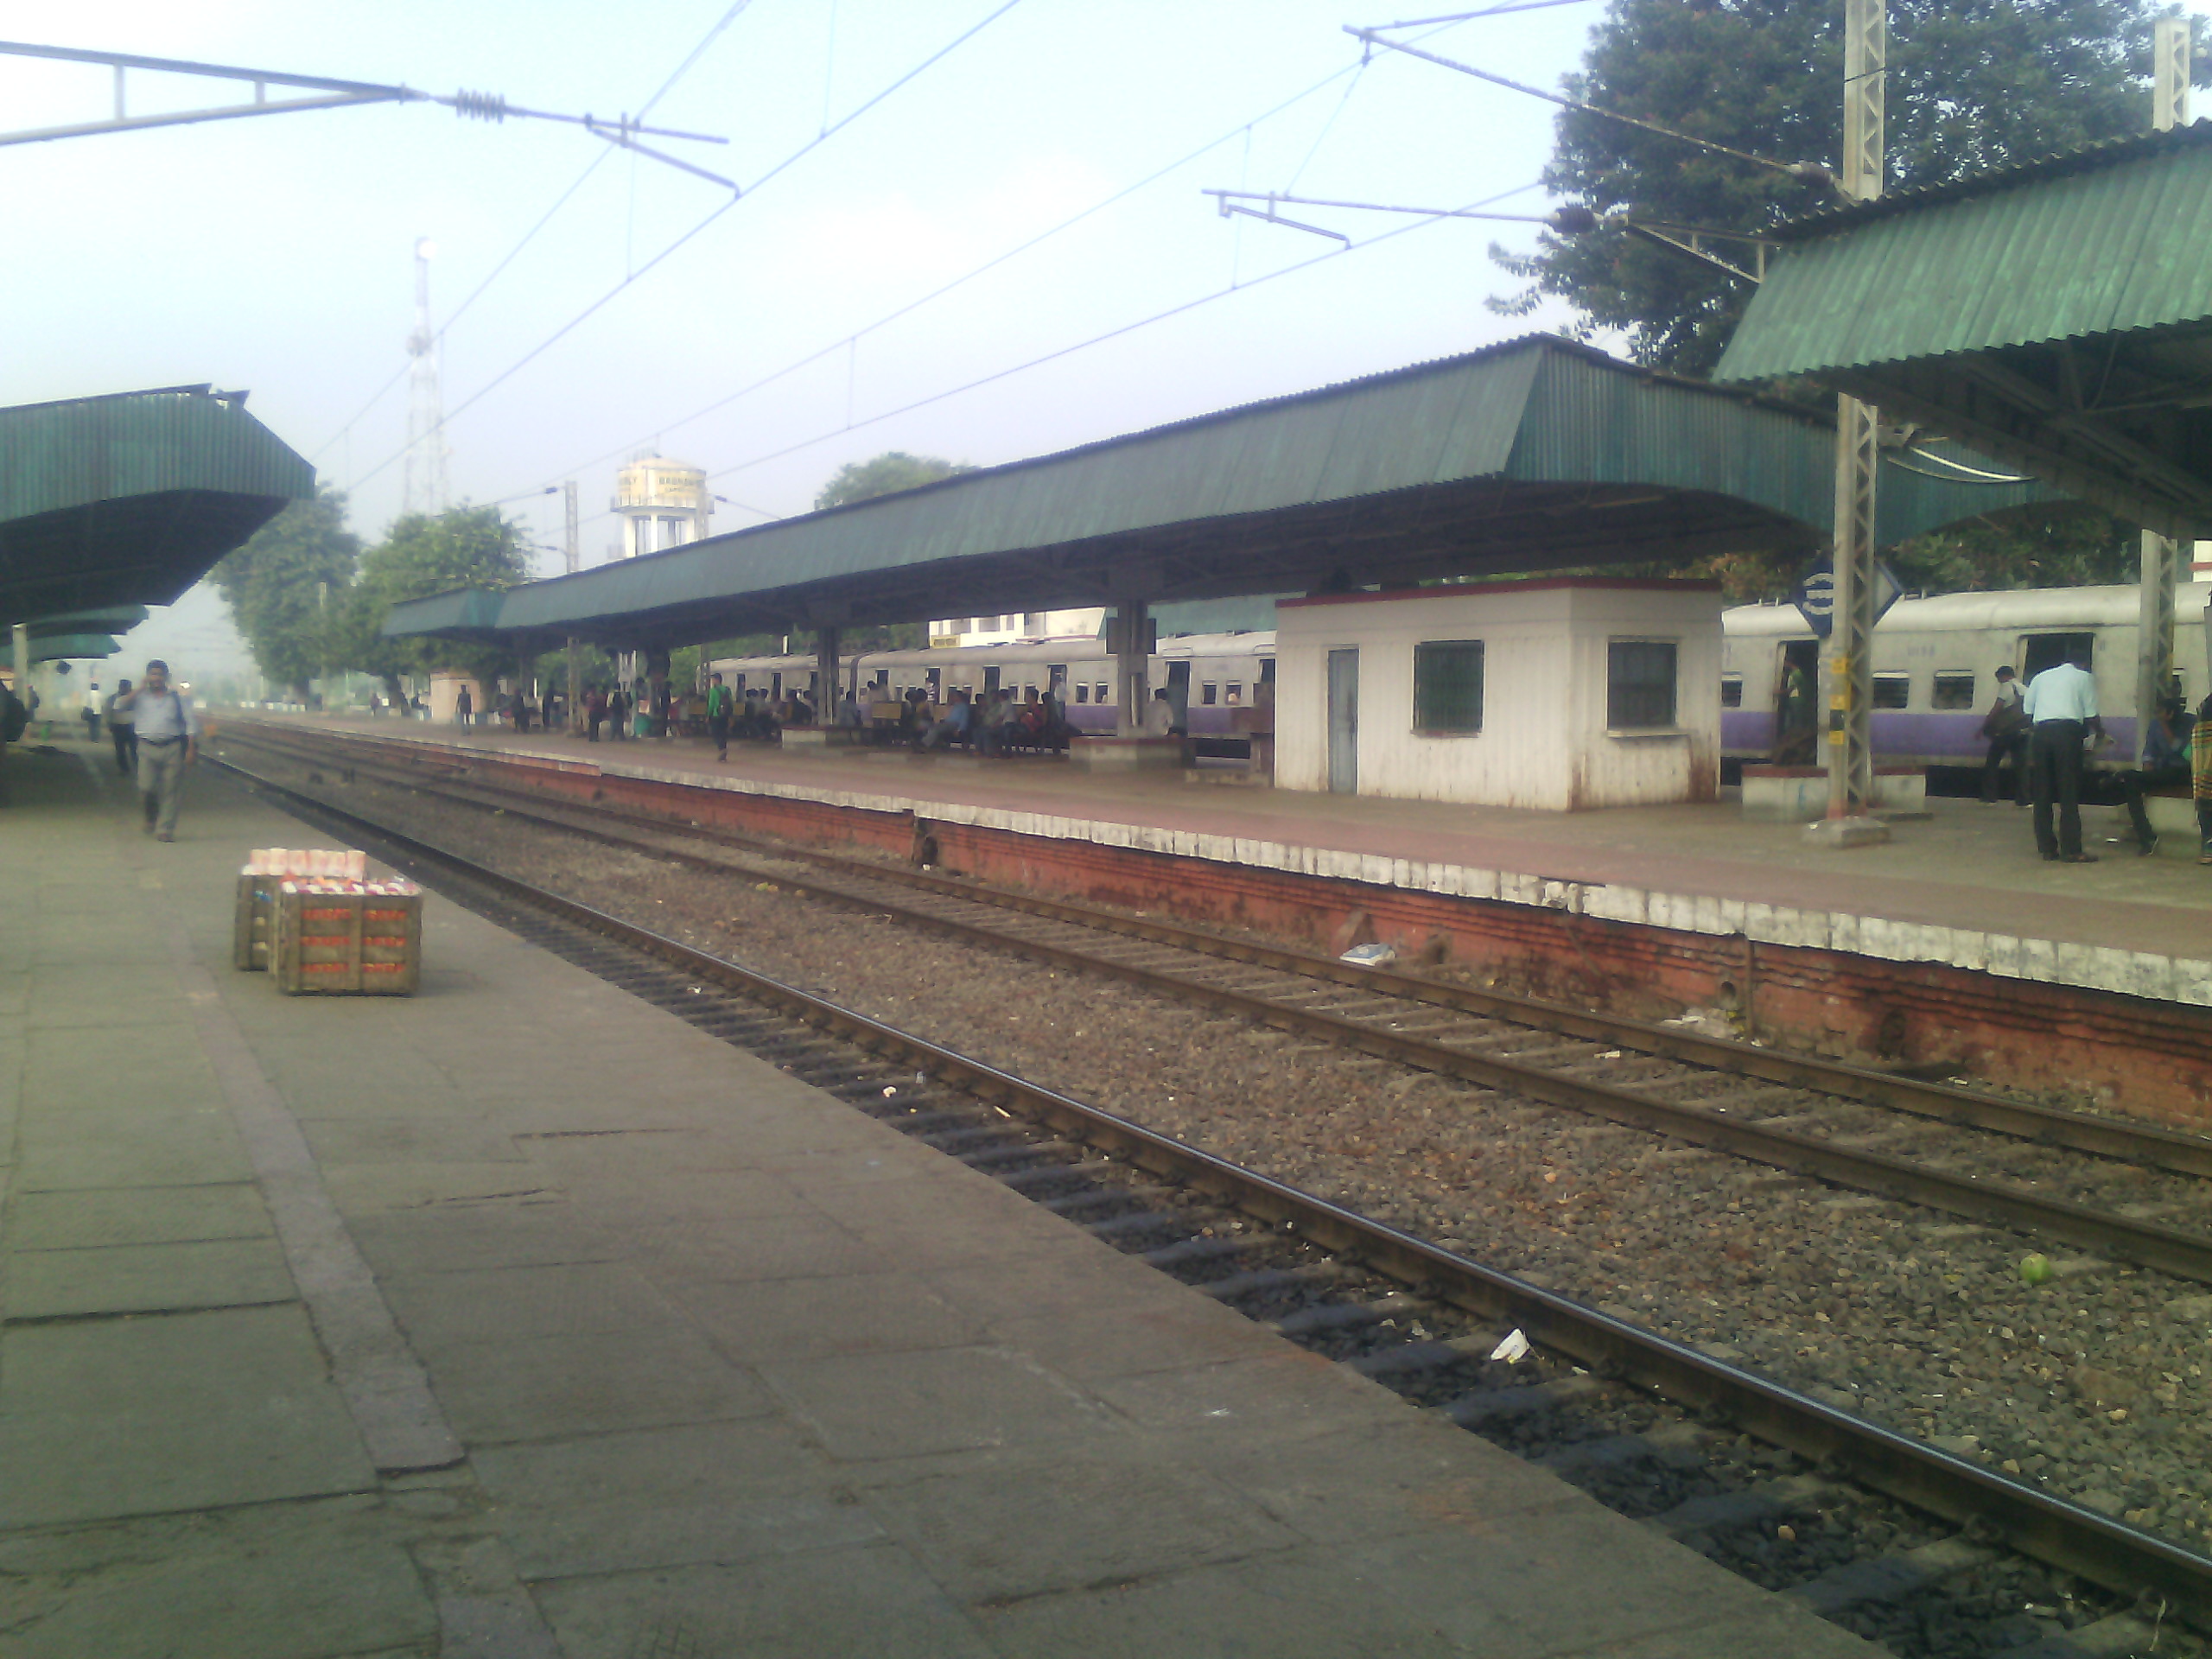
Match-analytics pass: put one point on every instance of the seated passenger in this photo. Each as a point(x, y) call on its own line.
point(958, 721)
point(1159, 716)
point(992, 722)
point(2166, 760)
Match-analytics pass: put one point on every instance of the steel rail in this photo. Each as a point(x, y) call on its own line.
point(2176, 1151)
point(2065, 1536)
point(2168, 1249)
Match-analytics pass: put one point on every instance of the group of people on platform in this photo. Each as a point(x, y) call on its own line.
point(2043, 731)
point(997, 725)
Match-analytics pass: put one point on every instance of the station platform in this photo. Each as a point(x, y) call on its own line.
point(520, 1317)
point(1963, 887)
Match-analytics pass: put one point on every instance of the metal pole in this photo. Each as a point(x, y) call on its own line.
point(573, 554)
point(1132, 648)
point(1850, 745)
point(323, 639)
point(2161, 567)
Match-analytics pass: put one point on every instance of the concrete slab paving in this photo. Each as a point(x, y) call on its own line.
point(727, 1367)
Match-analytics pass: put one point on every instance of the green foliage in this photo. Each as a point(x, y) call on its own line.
point(271, 586)
point(2062, 545)
point(886, 474)
point(1972, 84)
point(468, 547)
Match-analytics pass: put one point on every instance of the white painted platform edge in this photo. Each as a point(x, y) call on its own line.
point(2096, 968)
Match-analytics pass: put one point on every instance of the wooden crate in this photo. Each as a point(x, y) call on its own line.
point(348, 943)
point(253, 930)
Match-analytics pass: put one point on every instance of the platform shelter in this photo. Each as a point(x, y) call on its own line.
point(1536, 455)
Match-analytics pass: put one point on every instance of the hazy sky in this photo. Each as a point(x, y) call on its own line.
point(276, 254)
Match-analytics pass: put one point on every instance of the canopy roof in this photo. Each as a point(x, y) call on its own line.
point(55, 646)
point(108, 619)
point(2057, 316)
point(128, 499)
point(1535, 455)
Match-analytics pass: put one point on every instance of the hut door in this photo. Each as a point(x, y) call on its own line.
point(1343, 722)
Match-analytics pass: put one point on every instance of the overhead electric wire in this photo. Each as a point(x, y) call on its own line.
point(811, 144)
point(845, 341)
point(591, 166)
point(1116, 333)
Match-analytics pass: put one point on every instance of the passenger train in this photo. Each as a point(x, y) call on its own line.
point(1935, 670)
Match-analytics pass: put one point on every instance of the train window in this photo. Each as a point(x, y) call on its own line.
point(1639, 684)
point(1731, 690)
point(1208, 691)
point(1892, 691)
point(2042, 650)
point(1083, 692)
point(1099, 694)
point(1448, 685)
point(1952, 690)
point(1237, 690)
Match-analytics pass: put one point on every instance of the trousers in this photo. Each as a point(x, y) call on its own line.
point(161, 783)
point(2055, 772)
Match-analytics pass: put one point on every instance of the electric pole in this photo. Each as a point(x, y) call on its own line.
point(2162, 555)
point(1851, 640)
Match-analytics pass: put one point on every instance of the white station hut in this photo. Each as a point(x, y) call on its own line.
point(1557, 695)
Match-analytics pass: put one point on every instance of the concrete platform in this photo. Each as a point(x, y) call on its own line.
point(521, 1318)
point(1964, 887)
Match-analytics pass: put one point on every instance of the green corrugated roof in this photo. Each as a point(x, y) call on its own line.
point(2110, 240)
point(129, 498)
point(109, 618)
point(55, 646)
point(1532, 454)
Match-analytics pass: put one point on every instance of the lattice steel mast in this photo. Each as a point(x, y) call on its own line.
point(425, 488)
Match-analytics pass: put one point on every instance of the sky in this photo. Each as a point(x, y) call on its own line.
point(276, 254)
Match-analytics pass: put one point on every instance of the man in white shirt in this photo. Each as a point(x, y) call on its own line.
point(168, 741)
point(2062, 710)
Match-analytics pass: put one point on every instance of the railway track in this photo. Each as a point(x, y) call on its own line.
point(1994, 1160)
point(1398, 1309)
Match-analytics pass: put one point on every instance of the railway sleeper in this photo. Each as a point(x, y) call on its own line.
point(1486, 1406)
point(1076, 1202)
point(1192, 1251)
point(1351, 1316)
point(1675, 1445)
point(1761, 1505)
point(1316, 1276)
point(1889, 1578)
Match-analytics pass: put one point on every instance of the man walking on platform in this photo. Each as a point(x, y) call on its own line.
point(2062, 709)
point(168, 741)
point(718, 708)
point(121, 732)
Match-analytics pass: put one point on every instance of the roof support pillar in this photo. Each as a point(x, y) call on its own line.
point(825, 684)
point(2162, 555)
point(1129, 636)
point(1849, 676)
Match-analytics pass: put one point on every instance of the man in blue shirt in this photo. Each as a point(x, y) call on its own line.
point(2062, 710)
point(2166, 760)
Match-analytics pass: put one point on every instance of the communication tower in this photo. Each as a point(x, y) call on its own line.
point(663, 503)
point(425, 490)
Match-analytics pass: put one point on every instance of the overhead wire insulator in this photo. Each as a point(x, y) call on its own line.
point(1572, 218)
point(481, 107)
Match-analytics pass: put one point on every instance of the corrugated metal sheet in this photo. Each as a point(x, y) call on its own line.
point(55, 456)
point(2057, 254)
point(1539, 411)
point(55, 646)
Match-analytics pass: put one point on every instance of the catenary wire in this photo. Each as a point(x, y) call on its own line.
point(810, 145)
point(845, 341)
point(1116, 332)
point(528, 236)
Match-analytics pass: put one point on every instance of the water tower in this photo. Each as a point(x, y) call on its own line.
point(663, 503)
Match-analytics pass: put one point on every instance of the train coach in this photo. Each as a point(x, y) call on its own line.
point(1934, 671)
point(1206, 674)
point(1936, 663)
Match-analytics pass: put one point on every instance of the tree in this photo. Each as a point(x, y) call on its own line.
point(468, 547)
point(273, 586)
point(1971, 84)
point(886, 474)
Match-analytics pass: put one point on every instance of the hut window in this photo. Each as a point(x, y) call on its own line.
point(1448, 685)
point(1639, 684)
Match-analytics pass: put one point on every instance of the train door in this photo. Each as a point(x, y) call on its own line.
point(990, 680)
point(2042, 650)
point(1343, 721)
point(1179, 693)
point(1796, 702)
